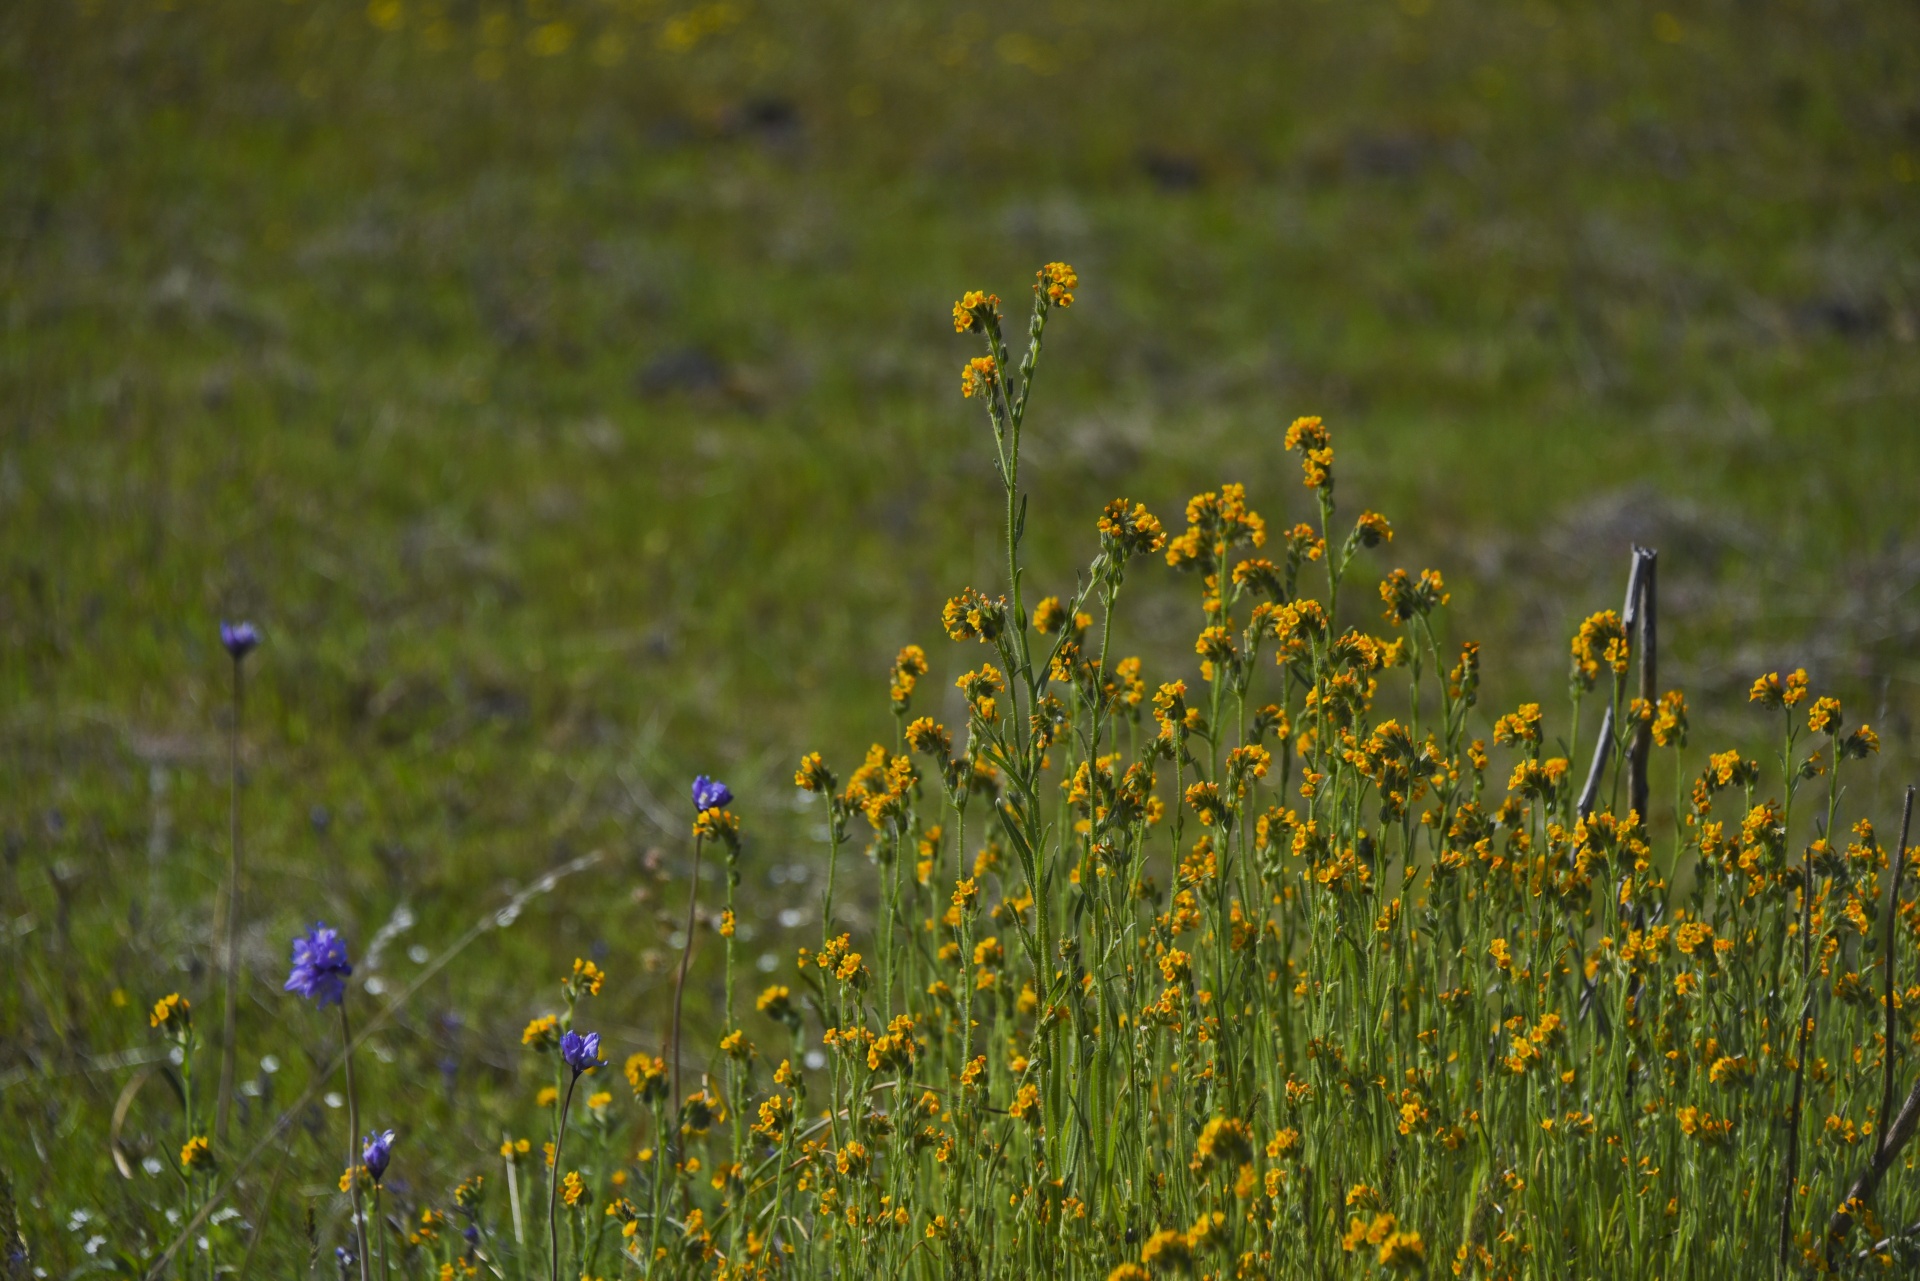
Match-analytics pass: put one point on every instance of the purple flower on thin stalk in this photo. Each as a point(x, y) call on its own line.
point(239, 638)
point(319, 973)
point(581, 1052)
point(377, 1151)
point(710, 794)
point(320, 966)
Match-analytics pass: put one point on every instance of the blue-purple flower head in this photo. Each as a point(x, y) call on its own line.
point(581, 1052)
point(710, 794)
point(376, 1151)
point(239, 638)
point(320, 966)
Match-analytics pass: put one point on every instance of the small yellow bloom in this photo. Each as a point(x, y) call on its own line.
point(978, 376)
point(1602, 640)
point(1049, 616)
point(174, 1013)
point(1225, 1140)
point(1824, 716)
point(813, 774)
point(587, 978)
point(966, 893)
point(928, 737)
point(648, 1077)
point(974, 310)
point(1372, 529)
point(196, 1155)
point(1402, 1252)
point(1310, 437)
point(1167, 1249)
point(1058, 281)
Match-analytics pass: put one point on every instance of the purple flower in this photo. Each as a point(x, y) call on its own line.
point(710, 794)
point(239, 638)
point(320, 966)
point(376, 1151)
point(581, 1052)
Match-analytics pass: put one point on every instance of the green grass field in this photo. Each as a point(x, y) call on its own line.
point(568, 391)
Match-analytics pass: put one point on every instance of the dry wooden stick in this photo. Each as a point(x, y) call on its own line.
point(1883, 1158)
point(1591, 791)
point(1641, 748)
point(1637, 582)
point(1639, 594)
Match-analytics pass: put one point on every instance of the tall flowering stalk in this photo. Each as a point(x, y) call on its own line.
point(172, 1017)
point(579, 1053)
point(319, 974)
point(709, 797)
point(239, 640)
point(1017, 743)
point(376, 1152)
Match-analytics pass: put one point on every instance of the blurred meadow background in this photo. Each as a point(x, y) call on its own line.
point(568, 391)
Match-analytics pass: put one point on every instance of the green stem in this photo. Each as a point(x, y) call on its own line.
point(686, 955)
point(553, 1182)
point(833, 864)
point(229, 1010)
point(353, 1138)
point(380, 1233)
